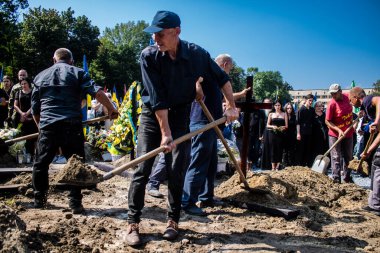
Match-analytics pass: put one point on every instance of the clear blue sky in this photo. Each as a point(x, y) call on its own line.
point(312, 43)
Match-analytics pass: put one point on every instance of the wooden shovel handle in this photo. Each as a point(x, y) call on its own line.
point(366, 148)
point(22, 138)
point(342, 137)
point(102, 118)
point(221, 137)
point(35, 135)
point(160, 149)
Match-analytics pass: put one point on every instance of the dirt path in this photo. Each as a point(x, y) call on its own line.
point(330, 219)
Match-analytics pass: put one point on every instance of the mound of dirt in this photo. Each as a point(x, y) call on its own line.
point(76, 172)
point(22, 178)
point(12, 231)
point(292, 186)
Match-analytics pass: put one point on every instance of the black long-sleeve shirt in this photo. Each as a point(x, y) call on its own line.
point(171, 83)
point(58, 92)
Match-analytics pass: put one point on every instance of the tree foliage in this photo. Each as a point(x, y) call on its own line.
point(9, 30)
point(118, 55)
point(45, 30)
point(237, 78)
point(376, 87)
point(113, 58)
point(269, 84)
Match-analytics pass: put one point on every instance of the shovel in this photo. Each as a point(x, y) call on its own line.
point(230, 154)
point(94, 179)
point(321, 162)
point(4, 144)
point(361, 165)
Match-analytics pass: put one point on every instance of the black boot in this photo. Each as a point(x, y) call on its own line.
point(40, 199)
point(75, 201)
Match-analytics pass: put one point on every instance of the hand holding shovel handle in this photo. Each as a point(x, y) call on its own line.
point(221, 137)
point(342, 137)
point(365, 150)
point(160, 149)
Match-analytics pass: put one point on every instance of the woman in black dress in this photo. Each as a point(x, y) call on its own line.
point(4, 97)
point(277, 125)
point(22, 106)
point(290, 140)
point(320, 130)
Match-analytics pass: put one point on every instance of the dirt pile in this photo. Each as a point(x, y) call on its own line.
point(12, 231)
point(23, 178)
point(354, 165)
point(78, 173)
point(292, 186)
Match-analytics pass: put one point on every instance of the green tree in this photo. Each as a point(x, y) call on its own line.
point(237, 78)
point(42, 33)
point(251, 71)
point(269, 84)
point(83, 38)
point(376, 87)
point(45, 30)
point(9, 30)
point(118, 55)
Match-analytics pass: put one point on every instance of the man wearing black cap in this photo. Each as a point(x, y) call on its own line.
point(170, 70)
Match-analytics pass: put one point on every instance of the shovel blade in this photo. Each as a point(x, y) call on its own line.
point(321, 164)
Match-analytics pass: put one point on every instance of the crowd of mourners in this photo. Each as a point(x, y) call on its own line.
point(295, 134)
point(15, 110)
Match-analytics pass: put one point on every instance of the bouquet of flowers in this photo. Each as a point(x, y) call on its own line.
point(9, 133)
point(99, 139)
point(222, 152)
point(279, 130)
point(123, 132)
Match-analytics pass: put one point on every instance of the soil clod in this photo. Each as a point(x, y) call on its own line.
point(75, 172)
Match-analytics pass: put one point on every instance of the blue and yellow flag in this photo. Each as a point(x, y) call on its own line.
point(114, 96)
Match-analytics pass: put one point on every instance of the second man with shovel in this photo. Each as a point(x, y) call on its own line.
point(338, 119)
point(170, 70)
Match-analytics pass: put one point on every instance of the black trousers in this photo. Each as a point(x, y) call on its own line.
point(177, 162)
point(305, 151)
point(68, 135)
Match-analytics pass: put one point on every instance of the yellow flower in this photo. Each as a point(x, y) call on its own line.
point(118, 128)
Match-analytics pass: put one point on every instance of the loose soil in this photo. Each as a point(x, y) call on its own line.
point(76, 172)
point(354, 165)
point(330, 219)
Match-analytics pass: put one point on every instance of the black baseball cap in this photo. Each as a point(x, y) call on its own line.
point(163, 20)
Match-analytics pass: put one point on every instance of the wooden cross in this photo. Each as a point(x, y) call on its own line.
point(247, 107)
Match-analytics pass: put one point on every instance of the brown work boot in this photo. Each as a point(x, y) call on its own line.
point(171, 231)
point(133, 236)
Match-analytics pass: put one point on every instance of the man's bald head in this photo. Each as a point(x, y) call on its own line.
point(63, 54)
point(225, 62)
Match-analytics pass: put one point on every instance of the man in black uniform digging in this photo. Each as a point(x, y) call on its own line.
point(170, 70)
point(56, 109)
